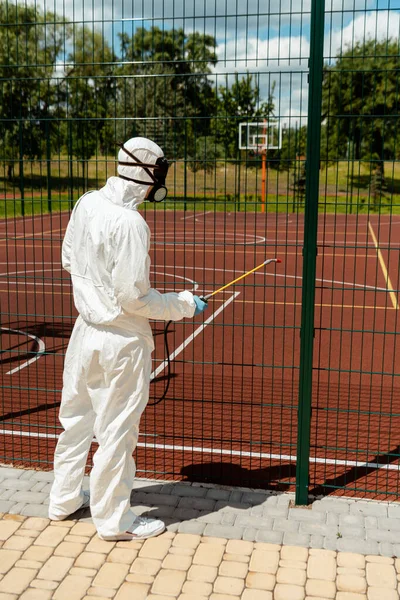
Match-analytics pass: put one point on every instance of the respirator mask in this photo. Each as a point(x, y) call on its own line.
point(157, 172)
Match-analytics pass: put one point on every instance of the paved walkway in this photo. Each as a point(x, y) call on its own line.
point(221, 544)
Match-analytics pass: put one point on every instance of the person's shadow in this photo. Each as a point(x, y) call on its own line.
point(158, 500)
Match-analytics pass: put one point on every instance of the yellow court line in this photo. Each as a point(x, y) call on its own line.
point(351, 306)
point(384, 269)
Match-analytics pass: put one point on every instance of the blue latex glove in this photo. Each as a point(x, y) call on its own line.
point(200, 305)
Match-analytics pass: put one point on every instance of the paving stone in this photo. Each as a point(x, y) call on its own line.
point(35, 523)
point(239, 547)
point(377, 593)
point(156, 499)
point(386, 549)
point(197, 503)
point(265, 547)
point(11, 472)
point(17, 508)
point(249, 534)
point(294, 553)
point(145, 566)
point(82, 572)
point(35, 594)
point(186, 490)
point(16, 542)
point(55, 568)
point(246, 520)
point(237, 558)
point(381, 575)
point(186, 540)
point(43, 475)
point(260, 581)
point(28, 564)
point(51, 536)
point(296, 539)
point(182, 551)
point(6, 505)
point(322, 566)
point(43, 584)
point(381, 535)
point(317, 541)
point(29, 497)
point(156, 548)
point(236, 497)
point(17, 580)
point(318, 529)
point(38, 486)
point(72, 588)
point(217, 494)
point(6, 494)
point(303, 514)
point(271, 537)
point(102, 592)
point(8, 558)
point(394, 510)
point(185, 514)
point(35, 510)
point(284, 525)
point(264, 562)
point(214, 517)
point(371, 522)
point(100, 546)
point(369, 509)
point(235, 507)
point(351, 583)
point(256, 595)
point(285, 591)
point(321, 588)
point(111, 575)
point(202, 573)
point(223, 531)
point(208, 555)
point(38, 553)
point(336, 507)
point(168, 582)
point(389, 523)
point(84, 529)
point(122, 555)
point(233, 586)
point(90, 560)
point(350, 560)
point(254, 497)
point(69, 549)
point(197, 588)
point(292, 576)
point(353, 571)
point(17, 484)
point(275, 511)
point(233, 569)
point(179, 563)
point(7, 528)
point(358, 546)
point(192, 527)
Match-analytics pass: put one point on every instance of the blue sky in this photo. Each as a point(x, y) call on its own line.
point(267, 38)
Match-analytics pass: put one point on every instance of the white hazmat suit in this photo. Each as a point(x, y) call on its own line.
point(108, 361)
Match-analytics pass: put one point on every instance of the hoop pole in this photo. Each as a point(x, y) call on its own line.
point(263, 179)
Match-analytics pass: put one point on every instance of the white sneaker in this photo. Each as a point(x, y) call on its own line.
point(85, 504)
point(141, 529)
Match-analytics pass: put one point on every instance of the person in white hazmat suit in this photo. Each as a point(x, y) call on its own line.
point(108, 361)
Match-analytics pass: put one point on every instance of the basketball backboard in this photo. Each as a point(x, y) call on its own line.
point(260, 136)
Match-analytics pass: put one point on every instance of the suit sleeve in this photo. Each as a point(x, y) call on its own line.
point(131, 278)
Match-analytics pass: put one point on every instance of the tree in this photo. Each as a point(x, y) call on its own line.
point(361, 101)
point(166, 91)
point(238, 103)
point(30, 43)
point(91, 87)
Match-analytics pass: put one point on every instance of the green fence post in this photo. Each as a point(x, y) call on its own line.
point(48, 163)
point(310, 248)
point(21, 169)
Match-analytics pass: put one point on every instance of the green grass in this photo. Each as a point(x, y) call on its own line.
point(344, 188)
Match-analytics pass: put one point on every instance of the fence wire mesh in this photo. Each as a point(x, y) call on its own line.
point(76, 79)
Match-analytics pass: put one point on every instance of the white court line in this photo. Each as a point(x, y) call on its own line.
point(197, 215)
point(223, 452)
point(39, 342)
point(362, 286)
point(191, 337)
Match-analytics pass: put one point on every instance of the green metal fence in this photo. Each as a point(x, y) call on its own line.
point(281, 122)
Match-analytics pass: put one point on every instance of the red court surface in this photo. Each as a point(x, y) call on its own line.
point(230, 415)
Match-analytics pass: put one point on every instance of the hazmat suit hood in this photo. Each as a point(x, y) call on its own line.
point(128, 193)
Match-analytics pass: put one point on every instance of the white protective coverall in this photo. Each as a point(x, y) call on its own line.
point(108, 360)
